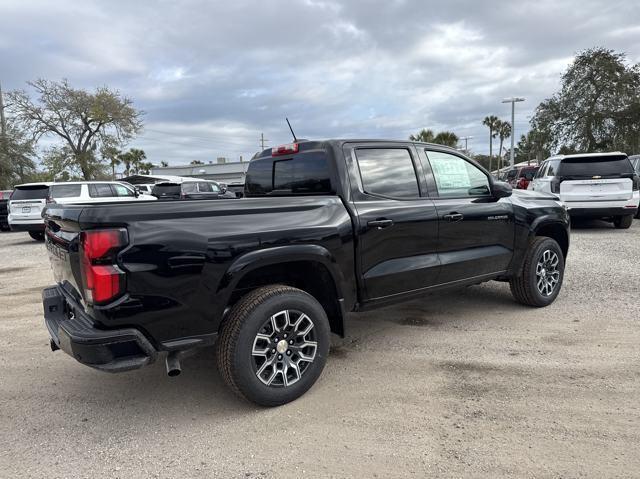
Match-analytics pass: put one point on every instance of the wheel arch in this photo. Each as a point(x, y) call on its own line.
point(311, 268)
point(555, 230)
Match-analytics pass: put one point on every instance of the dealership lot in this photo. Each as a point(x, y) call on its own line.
point(467, 383)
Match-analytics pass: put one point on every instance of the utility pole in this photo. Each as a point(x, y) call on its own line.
point(466, 144)
point(513, 101)
point(263, 140)
point(3, 142)
point(3, 120)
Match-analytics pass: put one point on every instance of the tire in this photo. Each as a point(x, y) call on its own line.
point(37, 235)
point(623, 222)
point(270, 312)
point(532, 288)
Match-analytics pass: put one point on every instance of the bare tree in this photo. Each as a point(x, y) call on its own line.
point(84, 120)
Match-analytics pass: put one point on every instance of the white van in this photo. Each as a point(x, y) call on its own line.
point(74, 192)
point(25, 208)
point(595, 185)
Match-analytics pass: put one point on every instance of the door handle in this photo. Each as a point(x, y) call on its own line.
point(382, 223)
point(453, 217)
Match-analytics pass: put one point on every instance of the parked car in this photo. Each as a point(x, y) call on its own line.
point(187, 190)
point(94, 192)
point(594, 185)
point(635, 162)
point(524, 176)
point(145, 189)
point(25, 209)
point(325, 228)
point(4, 209)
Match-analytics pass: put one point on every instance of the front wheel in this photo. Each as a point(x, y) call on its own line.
point(623, 222)
point(37, 235)
point(273, 345)
point(542, 273)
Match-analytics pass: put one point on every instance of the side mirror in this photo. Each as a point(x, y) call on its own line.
point(500, 189)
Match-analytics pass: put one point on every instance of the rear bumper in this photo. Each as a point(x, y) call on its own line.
point(73, 331)
point(25, 225)
point(602, 212)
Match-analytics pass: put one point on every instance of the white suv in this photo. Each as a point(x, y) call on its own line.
point(25, 208)
point(596, 185)
point(75, 192)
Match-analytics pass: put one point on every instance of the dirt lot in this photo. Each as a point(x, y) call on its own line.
point(466, 385)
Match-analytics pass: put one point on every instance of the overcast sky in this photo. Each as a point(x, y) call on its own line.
point(212, 75)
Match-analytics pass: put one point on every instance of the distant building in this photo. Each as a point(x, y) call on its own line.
point(231, 173)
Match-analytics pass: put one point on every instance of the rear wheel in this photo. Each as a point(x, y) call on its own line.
point(623, 222)
point(37, 235)
point(542, 273)
point(273, 345)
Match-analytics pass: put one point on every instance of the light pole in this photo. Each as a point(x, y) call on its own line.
point(513, 101)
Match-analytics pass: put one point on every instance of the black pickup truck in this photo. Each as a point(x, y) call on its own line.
point(325, 228)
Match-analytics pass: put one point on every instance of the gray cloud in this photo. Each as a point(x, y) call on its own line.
point(213, 75)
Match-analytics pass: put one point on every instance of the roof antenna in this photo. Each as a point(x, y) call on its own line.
point(294, 135)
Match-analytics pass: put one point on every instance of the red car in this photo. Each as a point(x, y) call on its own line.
point(524, 177)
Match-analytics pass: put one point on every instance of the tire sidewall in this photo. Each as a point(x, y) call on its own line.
point(246, 378)
point(536, 254)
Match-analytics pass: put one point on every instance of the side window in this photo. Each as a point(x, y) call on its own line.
point(122, 191)
point(100, 190)
point(456, 177)
point(215, 188)
point(540, 172)
point(189, 187)
point(204, 187)
point(552, 169)
point(388, 172)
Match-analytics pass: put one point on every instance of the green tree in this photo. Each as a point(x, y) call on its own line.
point(111, 154)
point(597, 107)
point(504, 131)
point(84, 121)
point(164, 164)
point(424, 136)
point(447, 138)
point(492, 122)
point(197, 162)
point(17, 153)
point(132, 161)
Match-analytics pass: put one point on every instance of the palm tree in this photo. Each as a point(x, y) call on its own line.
point(425, 136)
point(492, 122)
point(447, 138)
point(111, 154)
point(504, 132)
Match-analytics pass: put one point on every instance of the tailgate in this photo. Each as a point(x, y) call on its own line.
point(27, 209)
point(615, 189)
point(62, 232)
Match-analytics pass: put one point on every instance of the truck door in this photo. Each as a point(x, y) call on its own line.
point(476, 231)
point(397, 223)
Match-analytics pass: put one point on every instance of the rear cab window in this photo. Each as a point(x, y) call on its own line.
point(609, 166)
point(305, 172)
point(30, 192)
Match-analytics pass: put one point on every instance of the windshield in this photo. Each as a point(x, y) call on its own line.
point(32, 192)
point(603, 166)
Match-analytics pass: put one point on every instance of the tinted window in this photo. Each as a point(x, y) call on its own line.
point(100, 190)
point(305, 173)
point(528, 174)
point(552, 168)
point(636, 164)
point(215, 188)
point(189, 187)
point(456, 177)
point(511, 174)
point(596, 166)
point(65, 191)
point(122, 190)
point(388, 172)
point(205, 187)
point(30, 193)
point(166, 189)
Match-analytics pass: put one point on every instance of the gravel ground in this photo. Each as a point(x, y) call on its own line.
point(467, 384)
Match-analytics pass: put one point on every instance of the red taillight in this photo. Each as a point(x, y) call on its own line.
point(285, 149)
point(103, 280)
